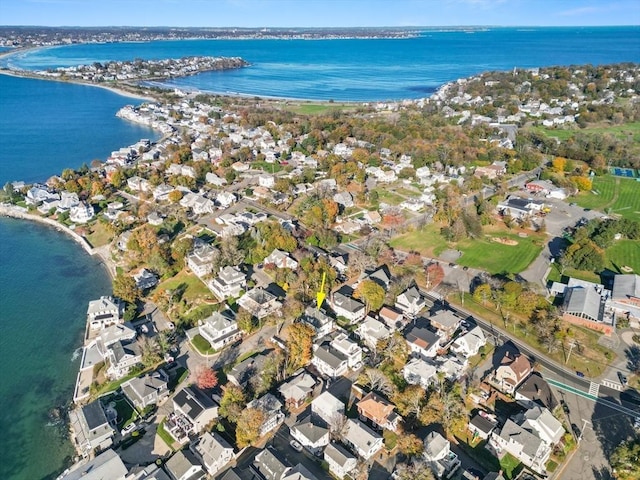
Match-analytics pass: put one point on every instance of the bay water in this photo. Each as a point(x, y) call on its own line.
point(46, 280)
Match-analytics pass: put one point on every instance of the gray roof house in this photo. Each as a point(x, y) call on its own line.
point(445, 322)
point(272, 409)
point(422, 341)
point(481, 425)
point(213, 451)
point(183, 465)
point(346, 306)
point(540, 421)
point(410, 302)
point(625, 297)
point(121, 357)
point(536, 391)
point(313, 436)
point(103, 312)
point(317, 319)
point(328, 408)
point(364, 441)
point(90, 428)
point(522, 444)
point(341, 461)
point(220, 329)
point(297, 390)
point(269, 465)
point(200, 259)
point(438, 454)
point(419, 372)
point(243, 371)
point(106, 465)
point(259, 302)
point(470, 343)
point(147, 390)
point(299, 472)
point(229, 283)
point(329, 361)
point(193, 410)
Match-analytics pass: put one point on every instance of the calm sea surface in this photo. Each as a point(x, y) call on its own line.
point(46, 280)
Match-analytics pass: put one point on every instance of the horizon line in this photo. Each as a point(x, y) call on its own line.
point(399, 27)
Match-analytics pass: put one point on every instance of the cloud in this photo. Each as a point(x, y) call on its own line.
point(575, 12)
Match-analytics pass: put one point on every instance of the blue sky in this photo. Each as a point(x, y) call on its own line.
point(318, 13)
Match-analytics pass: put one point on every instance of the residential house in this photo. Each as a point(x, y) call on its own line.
point(536, 391)
point(394, 319)
point(328, 408)
point(346, 306)
point(147, 390)
point(378, 411)
point(201, 258)
point(266, 181)
point(438, 454)
point(161, 192)
point(410, 302)
point(121, 357)
point(213, 451)
point(625, 297)
point(214, 179)
point(81, 213)
point(269, 466)
point(229, 283)
point(311, 435)
point(183, 465)
point(193, 410)
point(452, 366)
point(540, 421)
point(145, 279)
point(482, 424)
point(69, 200)
point(106, 465)
point(199, 204)
point(123, 241)
point(259, 302)
point(344, 199)
point(381, 275)
point(522, 444)
point(372, 331)
point(341, 461)
point(329, 361)
point(281, 260)
point(297, 390)
point(299, 472)
point(317, 319)
point(90, 428)
point(422, 341)
point(364, 441)
point(119, 332)
point(470, 343)
point(419, 372)
point(240, 374)
point(225, 199)
point(138, 184)
point(103, 312)
point(512, 371)
point(272, 410)
point(220, 329)
point(446, 323)
point(38, 194)
point(350, 349)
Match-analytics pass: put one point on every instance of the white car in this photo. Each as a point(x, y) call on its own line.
point(128, 429)
point(295, 445)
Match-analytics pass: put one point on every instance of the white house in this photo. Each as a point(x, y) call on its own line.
point(229, 283)
point(347, 347)
point(364, 441)
point(329, 361)
point(372, 331)
point(419, 372)
point(272, 409)
point(422, 341)
point(183, 465)
point(341, 461)
point(470, 343)
point(81, 213)
point(213, 451)
point(328, 408)
point(347, 307)
point(219, 330)
point(281, 260)
point(225, 199)
point(193, 410)
point(259, 302)
point(522, 444)
point(438, 454)
point(199, 204)
point(312, 436)
point(543, 423)
point(410, 302)
point(121, 357)
point(201, 258)
point(317, 319)
point(103, 312)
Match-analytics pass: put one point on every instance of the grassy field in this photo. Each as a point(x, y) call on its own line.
point(389, 197)
point(318, 108)
point(624, 253)
point(613, 195)
point(194, 288)
point(99, 235)
point(503, 258)
point(621, 131)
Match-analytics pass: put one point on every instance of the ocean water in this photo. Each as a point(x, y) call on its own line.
point(363, 69)
point(46, 280)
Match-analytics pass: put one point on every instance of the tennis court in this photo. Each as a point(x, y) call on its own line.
point(623, 172)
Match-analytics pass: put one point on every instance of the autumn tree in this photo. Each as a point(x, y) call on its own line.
point(375, 379)
point(206, 378)
point(418, 470)
point(232, 403)
point(410, 445)
point(248, 427)
point(299, 345)
point(625, 460)
point(372, 294)
point(410, 401)
point(175, 196)
point(124, 287)
point(558, 164)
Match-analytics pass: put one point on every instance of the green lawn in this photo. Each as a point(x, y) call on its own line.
point(99, 235)
point(613, 195)
point(482, 253)
point(164, 435)
point(494, 257)
point(319, 108)
point(621, 131)
point(201, 344)
point(389, 197)
point(194, 288)
point(624, 253)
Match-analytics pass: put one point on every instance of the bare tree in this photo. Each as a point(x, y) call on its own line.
point(376, 380)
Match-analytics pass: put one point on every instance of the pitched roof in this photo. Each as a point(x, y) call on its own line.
point(270, 465)
point(518, 363)
point(310, 430)
point(376, 408)
point(299, 472)
point(298, 387)
point(211, 447)
point(625, 286)
point(338, 453)
point(511, 431)
point(330, 356)
point(536, 389)
point(422, 337)
point(106, 465)
point(181, 462)
point(586, 301)
point(359, 435)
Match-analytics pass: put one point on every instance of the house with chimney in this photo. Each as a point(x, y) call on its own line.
point(514, 368)
point(379, 412)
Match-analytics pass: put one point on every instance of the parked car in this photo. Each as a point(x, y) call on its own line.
point(580, 374)
point(295, 445)
point(623, 379)
point(128, 429)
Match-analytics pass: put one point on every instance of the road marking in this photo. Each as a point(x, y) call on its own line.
point(594, 388)
point(588, 396)
point(612, 385)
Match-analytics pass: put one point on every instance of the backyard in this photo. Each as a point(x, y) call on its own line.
point(193, 288)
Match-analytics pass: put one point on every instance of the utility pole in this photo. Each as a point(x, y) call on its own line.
point(571, 345)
